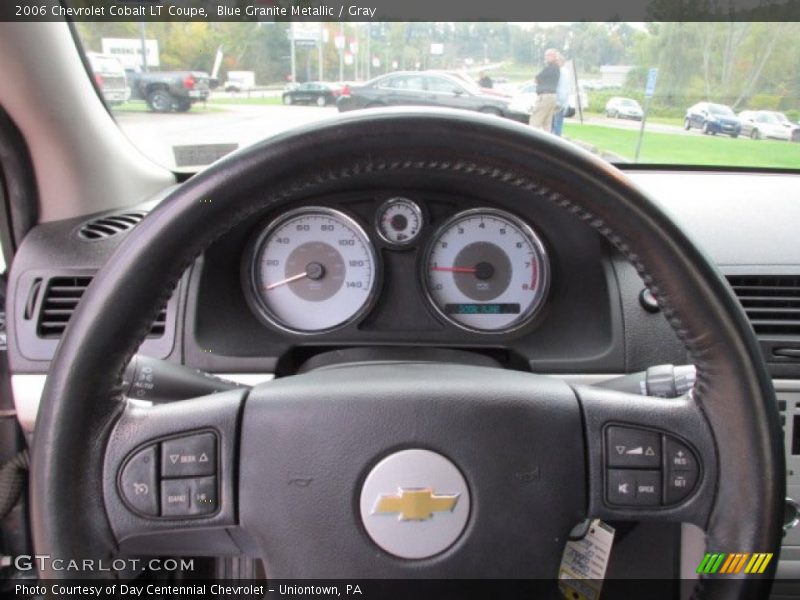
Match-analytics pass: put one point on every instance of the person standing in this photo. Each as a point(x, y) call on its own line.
point(485, 81)
point(546, 86)
point(562, 96)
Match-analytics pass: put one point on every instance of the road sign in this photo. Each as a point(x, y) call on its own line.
point(650, 86)
point(649, 90)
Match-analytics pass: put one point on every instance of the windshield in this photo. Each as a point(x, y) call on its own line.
point(231, 84)
point(722, 111)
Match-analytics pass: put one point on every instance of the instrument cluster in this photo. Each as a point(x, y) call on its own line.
point(315, 269)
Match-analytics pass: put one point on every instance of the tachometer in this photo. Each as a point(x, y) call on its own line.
point(486, 270)
point(313, 270)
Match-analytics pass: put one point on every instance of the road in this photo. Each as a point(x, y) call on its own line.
point(635, 125)
point(156, 134)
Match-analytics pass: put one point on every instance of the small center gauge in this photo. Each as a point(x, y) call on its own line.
point(399, 221)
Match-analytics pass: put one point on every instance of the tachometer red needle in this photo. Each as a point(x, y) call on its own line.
point(455, 269)
point(272, 286)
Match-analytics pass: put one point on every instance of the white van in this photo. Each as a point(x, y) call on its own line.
point(109, 74)
point(240, 81)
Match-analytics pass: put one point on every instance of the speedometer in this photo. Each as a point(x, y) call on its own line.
point(313, 270)
point(486, 270)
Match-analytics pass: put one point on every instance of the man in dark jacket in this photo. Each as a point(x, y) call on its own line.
point(546, 86)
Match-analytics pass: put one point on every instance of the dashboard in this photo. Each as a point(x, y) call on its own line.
point(388, 273)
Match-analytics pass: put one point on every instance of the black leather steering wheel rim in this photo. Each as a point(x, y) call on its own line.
point(82, 399)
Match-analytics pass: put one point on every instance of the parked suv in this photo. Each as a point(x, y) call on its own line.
point(109, 74)
point(712, 119)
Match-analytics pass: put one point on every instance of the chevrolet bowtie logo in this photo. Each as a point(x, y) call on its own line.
point(417, 504)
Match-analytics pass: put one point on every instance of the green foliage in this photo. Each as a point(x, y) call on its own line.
point(765, 102)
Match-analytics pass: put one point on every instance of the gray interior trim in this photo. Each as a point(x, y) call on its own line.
point(710, 206)
point(82, 160)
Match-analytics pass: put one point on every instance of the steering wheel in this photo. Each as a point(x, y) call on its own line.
point(383, 471)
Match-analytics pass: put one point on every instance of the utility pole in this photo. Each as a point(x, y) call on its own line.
point(144, 46)
point(341, 51)
point(369, 51)
point(320, 43)
point(294, 60)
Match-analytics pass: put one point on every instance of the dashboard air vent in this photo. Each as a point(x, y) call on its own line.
point(60, 300)
point(106, 227)
point(772, 303)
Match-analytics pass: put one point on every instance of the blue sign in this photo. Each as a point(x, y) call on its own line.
point(650, 87)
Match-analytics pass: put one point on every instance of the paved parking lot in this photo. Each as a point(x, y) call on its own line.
point(156, 133)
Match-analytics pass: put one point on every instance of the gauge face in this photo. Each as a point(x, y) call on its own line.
point(486, 271)
point(399, 221)
point(313, 270)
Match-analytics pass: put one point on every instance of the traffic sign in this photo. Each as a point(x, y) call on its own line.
point(650, 86)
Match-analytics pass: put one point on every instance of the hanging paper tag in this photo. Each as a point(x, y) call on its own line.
point(583, 565)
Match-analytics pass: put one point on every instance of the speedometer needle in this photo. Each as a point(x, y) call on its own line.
point(272, 286)
point(455, 269)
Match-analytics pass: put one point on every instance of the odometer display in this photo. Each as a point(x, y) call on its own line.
point(313, 270)
point(486, 270)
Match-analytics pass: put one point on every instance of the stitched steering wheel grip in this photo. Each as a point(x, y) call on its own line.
point(82, 405)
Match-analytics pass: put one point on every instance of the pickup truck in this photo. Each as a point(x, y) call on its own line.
point(165, 91)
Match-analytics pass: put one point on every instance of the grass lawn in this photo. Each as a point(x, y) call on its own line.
point(140, 106)
point(666, 148)
point(271, 101)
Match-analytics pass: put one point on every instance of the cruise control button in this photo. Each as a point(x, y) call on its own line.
point(679, 485)
point(189, 456)
point(138, 482)
point(204, 495)
point(176, 497)
point(629, 447)
point(679, 457)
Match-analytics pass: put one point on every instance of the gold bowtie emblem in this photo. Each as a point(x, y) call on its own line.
point(416, 504)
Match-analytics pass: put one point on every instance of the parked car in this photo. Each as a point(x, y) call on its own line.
point(415, 88)
point(240, 81)
point(165, 91)
point(109, 75)
point(712, 119)
point(624, 108)
point(312, 92)
point(764, 124)
point(787, 122)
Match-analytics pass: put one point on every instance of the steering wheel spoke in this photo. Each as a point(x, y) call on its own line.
point(648, 458)
point(172, 467)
